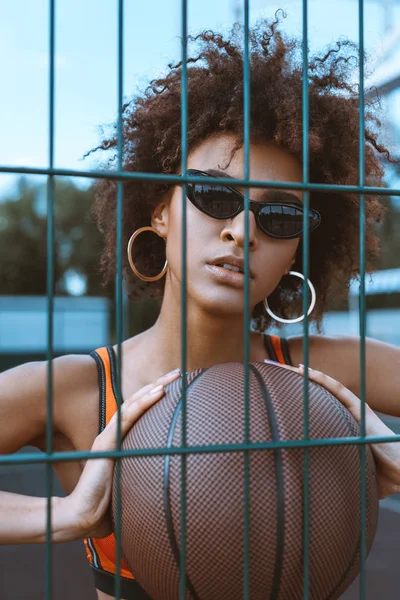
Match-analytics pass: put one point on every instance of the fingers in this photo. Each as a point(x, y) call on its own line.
point(373, 424)
point(162, 381)
point(287, 367)
point(337, 389)
point(350, 400)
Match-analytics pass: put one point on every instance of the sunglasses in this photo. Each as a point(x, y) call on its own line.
point(279, 219)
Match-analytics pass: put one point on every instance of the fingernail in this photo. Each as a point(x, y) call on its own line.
point(271, 362)
point(157, 389)
point(173, 372)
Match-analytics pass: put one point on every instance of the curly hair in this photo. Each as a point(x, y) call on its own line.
point(152, 143)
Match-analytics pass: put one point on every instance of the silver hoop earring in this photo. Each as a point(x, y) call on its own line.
point(312, 305)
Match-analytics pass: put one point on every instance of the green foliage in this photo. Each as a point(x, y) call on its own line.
point(23, 240)
point(389, 236)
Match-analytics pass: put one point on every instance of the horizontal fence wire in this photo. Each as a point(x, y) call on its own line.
point(50, 307)
point(31, 458)
point(181, 179)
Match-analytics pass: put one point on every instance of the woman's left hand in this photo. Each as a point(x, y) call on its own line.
point(386, 454)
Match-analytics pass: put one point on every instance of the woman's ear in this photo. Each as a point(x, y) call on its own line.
point(159, 219)
point(290, 266)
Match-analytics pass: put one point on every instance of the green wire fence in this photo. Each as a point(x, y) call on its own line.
point(49, 457)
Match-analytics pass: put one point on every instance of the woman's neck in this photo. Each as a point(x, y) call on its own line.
point(210, 338)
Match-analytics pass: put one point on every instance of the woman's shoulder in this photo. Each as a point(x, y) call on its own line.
point(76, 398)
point(336, 356)
point(24, 391)
point(322, 346)
point(72, 375)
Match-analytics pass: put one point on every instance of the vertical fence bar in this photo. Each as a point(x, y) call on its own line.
point(184, 133)
point(50, 305)
point(306, 200)
point(246, 307)
point(118, 288)
point(362, 305)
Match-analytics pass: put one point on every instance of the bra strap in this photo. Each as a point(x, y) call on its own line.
point(269, 348)
point(286, 351)
point(277, 349)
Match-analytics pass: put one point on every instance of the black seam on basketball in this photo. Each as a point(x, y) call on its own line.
point(113, 370)
point(280, 541)
point(358, 545)
point(269, 348)
point(286, 352)
point(166, 494)
point(102, 388)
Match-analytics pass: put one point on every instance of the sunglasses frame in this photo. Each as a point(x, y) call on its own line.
point(254, 206)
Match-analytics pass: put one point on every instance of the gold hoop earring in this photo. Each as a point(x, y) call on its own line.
point(134, 269)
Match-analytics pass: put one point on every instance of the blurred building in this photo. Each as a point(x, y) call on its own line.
point(382, 323)
point(81, 324)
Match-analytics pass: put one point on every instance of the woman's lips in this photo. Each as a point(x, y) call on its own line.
point(227, 276)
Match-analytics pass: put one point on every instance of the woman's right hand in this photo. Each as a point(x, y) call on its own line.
point(85, 511)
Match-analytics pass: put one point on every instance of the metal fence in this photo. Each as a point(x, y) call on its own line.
point(120, 176)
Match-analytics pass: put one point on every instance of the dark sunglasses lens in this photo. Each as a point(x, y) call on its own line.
point(214, 200)
point(285, 221)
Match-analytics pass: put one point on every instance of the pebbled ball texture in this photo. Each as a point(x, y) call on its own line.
point(215, 496)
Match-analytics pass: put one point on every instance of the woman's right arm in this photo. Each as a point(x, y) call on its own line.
point(23, 519)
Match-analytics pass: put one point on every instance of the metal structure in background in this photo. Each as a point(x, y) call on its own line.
point(237, 9)
point(49, 457)
point(388, 7)
point(386, 74)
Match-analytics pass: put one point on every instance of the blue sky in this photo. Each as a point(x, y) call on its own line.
point(86, 60)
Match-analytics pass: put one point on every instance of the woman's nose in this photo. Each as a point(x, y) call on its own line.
point(235, 230)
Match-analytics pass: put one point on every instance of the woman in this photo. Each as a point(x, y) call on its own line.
point(215, 254)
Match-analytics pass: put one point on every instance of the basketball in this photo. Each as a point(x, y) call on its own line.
point(215, 483)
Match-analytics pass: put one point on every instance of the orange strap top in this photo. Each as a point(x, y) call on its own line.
point(101, 552)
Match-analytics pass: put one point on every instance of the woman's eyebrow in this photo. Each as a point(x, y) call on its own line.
point(217, 173)
point(279, 196)
point(265, 195)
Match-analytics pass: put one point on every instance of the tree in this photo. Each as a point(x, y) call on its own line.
point(23, 241)
point(390, 240)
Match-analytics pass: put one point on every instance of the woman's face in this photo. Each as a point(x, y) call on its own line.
point(210, 239)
